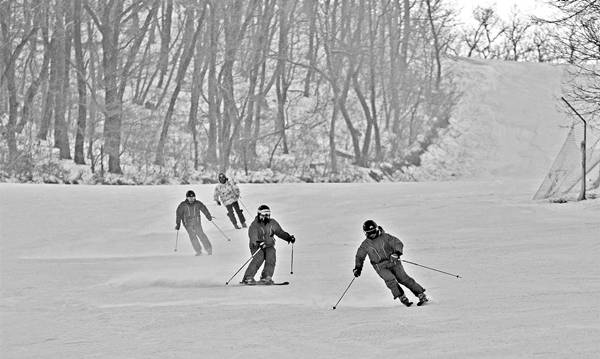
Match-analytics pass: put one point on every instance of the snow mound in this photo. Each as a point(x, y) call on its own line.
point(509, 123)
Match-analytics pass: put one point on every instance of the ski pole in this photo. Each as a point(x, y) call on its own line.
point(437, 270)
point(292, 262)
point(243, 265)
point(343, 294)
point(176, 239)
point(223, 233)
point(243, 205)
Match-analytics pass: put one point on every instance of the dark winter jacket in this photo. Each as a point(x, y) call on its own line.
point(379, 250)
point(190, 212)
point(264, 232)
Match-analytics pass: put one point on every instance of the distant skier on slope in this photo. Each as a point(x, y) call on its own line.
point(188, 212)
point(228, 193)
point(262, 245)
point(384, 251)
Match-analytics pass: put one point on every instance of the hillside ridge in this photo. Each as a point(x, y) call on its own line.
point(509, 122)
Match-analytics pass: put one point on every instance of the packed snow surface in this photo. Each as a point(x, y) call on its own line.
point(91, 272)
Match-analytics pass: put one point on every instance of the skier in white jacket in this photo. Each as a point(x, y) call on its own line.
point(228, 194)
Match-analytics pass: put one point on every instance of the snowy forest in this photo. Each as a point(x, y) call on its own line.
point(175, 91)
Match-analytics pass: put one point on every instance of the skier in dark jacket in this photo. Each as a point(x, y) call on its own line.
point(262, 245)
point(188, 212)
point(384, 251)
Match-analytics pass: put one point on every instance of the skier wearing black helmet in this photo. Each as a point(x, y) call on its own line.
point(262, 245)
point(188, 212)
point(228, 193)
point(384, 251)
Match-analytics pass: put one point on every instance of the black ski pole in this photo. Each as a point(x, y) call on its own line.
point(176, 239)
point(437, 270)
point(223, 233)
point(292, 263)
point(243, 265)
point(243, 205)
point(343, 294)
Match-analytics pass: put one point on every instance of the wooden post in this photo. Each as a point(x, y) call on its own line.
point(583, 165)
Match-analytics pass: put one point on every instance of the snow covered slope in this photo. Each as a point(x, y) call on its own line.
point(90, 272)
point(510, 122)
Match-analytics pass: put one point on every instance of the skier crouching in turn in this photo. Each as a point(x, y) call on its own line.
point(228, 193)
point(188, 212)
point(384, 251)
point(262, 245)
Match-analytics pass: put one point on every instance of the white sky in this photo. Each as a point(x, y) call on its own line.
point(504, 7)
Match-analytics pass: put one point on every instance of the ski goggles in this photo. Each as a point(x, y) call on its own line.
point(264, 213)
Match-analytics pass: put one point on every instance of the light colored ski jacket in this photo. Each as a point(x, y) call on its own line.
point(227, 192)
point(379, 250)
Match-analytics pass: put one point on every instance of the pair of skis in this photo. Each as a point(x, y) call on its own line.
point(265, 284)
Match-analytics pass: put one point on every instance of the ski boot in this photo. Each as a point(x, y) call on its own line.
point(266, 281)
point(405, 301)
point(236, 226)
point(422, 299)
point(248, 281)
point(244, 225)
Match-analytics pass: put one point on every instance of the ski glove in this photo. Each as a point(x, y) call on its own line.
point(357, 271)
point(218, 203)
point(395, 258)
point(210, 218)
point(261, 245)
point(292, 239)
point(176, 227)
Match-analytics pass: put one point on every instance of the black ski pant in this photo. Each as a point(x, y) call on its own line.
point(235, 206)
point(394, 275)
point(266, 255)
point(195, 232)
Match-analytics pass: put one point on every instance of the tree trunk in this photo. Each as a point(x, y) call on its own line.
point(282, 83)
point(197, 82)
point(50, 93)
point(110, 61)
point(436, 47)
point(311, 10)
point(373, 81)
point(61, 135)
point(211, 154)
point(79, 157)
point(9, 79)
point(91, 120)
point(165, 40)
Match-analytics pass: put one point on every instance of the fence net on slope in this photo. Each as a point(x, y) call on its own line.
point(564, 177)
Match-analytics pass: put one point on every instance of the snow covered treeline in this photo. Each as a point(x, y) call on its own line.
point(177, 87)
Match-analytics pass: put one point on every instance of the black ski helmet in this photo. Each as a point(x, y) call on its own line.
point(264, 209)
point(370, 228)
point(190, 193)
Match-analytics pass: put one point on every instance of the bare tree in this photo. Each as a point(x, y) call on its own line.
point(190, 38)
point(10, 51)
point(81, 84)
point(517, 36)
point(165, 39)
point(582, 42)
point(483, 39)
